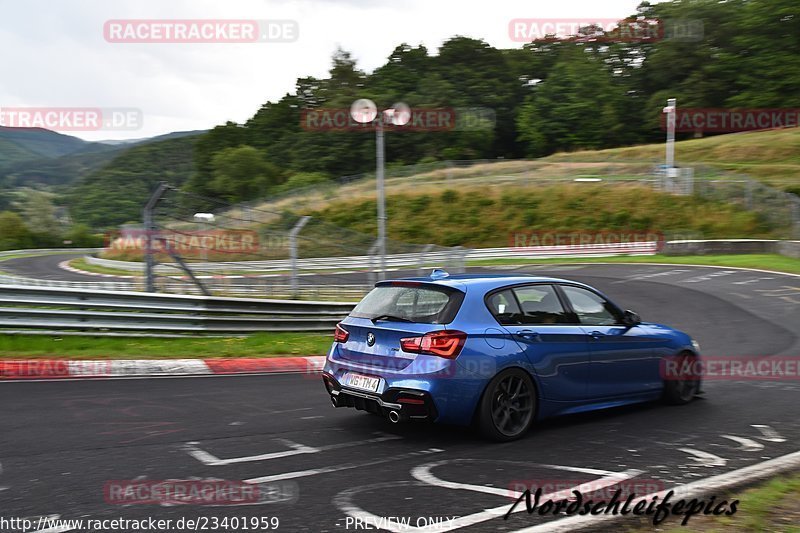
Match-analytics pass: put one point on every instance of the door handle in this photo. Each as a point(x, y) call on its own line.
point(528, 334)
point(596, 335)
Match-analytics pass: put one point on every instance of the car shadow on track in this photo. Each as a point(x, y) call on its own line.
point(638, 417)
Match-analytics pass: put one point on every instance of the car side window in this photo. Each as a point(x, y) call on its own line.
point(540, 305)
point(591, 308)
point(504, 307)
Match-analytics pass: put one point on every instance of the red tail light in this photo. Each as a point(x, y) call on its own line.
point(445, 344)
point(340, 334)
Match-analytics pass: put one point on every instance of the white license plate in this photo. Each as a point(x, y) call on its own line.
point(357, 381)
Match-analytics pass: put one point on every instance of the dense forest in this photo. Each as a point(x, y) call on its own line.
point(585, 92)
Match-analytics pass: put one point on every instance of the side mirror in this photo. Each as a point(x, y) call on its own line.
point(630, 318)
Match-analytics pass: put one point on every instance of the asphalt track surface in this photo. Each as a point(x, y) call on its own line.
point(46, 267)
point(61, 442)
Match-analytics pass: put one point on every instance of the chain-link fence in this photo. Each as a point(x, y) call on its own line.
point(227, 249)
point(777, 208)
point(266, 249)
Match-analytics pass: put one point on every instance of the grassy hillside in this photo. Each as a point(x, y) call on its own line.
point(771, 156)
point(115, 193)
point(42, 142)
point(27, 168)
point(11, 152)
point(62, 170)
point(478, 216)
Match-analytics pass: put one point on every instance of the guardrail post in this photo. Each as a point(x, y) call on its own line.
point(423, 255)
point(460, 253)
point(293, 251)
point(373, 277)
point(149, 229)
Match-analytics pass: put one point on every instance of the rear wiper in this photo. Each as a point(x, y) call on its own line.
point(390, 317)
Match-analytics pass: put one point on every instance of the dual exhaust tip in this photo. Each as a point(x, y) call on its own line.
point(394, 416)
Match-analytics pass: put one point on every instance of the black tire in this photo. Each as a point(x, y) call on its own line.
point(508, 406)
point(680, 390)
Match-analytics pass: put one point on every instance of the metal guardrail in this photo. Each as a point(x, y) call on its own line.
point(25, 307)
point(253, 285)
point(360, 262)
point(250, 287)
point(47, 251)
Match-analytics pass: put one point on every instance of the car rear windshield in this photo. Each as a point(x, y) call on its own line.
point(423, 304)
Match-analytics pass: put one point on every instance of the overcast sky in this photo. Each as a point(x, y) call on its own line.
point(55, 54)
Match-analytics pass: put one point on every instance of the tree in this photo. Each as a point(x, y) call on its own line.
point(14, 234)
point(81, 235)
point(39, 212)
point(577, 106)
point(345, 82)
point(228, 135)
point(242, 173)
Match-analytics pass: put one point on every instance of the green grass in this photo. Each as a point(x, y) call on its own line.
point(13, 256)
point(774, 262)
point(22, 255)
point(82, 264)
point(95, 347)
point(770, 506)
point(771, 156)
point(480, 216)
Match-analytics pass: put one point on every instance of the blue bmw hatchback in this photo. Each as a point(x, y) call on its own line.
point(498, 351)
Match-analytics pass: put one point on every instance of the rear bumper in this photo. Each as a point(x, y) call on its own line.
point(448, 391)
point(408, 403)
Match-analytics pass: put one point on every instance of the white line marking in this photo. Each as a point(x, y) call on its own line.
point(747, 445)
point(383, 437)
point(749, 281)
point(54, 529)
point(705, 458)
point(346, 466)
point(770, 435)
point(714, 484)
point(785, 290)
point(595, 263)
point(295, 449)
point(210, 460)
point(658, 274)
point(708, 277)
point(344, 503)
